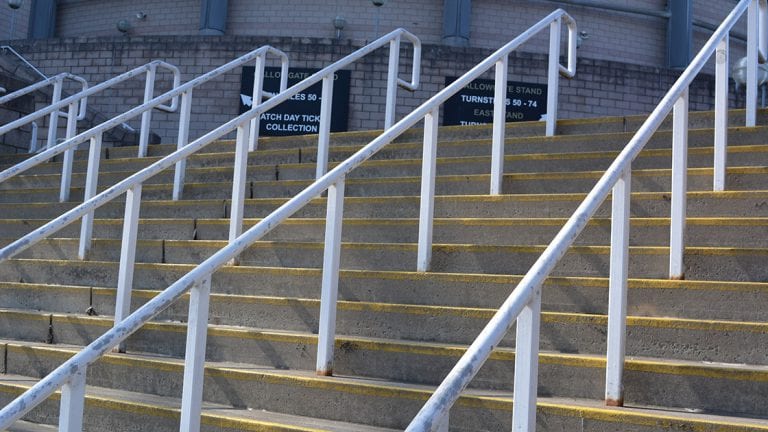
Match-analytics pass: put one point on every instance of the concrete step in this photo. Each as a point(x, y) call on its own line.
point(557, 162)
point(644, 204)
point(389, 403)
point(651, 180)
point(685, 339)
point(111, 410)
point(697, 120)
point(701, 263)
point(718, 232)
point(541, 151)
point(24, 426)
point(741, 301)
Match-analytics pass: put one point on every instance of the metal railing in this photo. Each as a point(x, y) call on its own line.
point(57, 82)
point(524, 304)
point(71, 375)
point(71, 141)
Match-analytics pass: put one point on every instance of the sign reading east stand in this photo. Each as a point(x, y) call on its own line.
point(474, 103)
point(301, 114)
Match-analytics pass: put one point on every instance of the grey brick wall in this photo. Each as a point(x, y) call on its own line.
point(601, 88)
point(614, 36)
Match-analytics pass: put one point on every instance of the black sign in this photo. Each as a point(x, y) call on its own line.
point(474, 103)
point(299, 115)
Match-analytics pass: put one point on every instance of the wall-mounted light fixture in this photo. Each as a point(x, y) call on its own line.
point(14, 5)
point(581, 38)
point(338, 23)
point(141, 16)
point(378, 4)
point(123, 26)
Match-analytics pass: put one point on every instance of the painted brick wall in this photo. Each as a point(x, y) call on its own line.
point(601, 87)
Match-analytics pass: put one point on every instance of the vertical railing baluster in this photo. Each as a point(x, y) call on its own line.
point(146, 116)
point(324, 131)
point(72, 402)
point(617, 291)
point(127, 256)
point(679, 187)
point(444, 424)
point(183, 139)
point(721, 114)
point(553, 76)
point(53, 119)
point(69, 155)
point(427, 204)
point(194, 358)
point(392, 70)
point(257, 95)
point(499, 125)
point(91, 184)
point(330, 278)
point(527, 365)
point(753, 21)
point(239, 179)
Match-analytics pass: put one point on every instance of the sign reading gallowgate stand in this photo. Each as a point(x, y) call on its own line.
point(299, 115)
point(474, 103)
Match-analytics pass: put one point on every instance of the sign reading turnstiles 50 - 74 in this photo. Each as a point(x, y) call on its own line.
point(474, 103)
point(301, 113)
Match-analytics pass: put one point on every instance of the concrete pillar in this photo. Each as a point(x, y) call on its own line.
point(213, 17)
point(42, 19)
point(679, 33)
point(457, 16)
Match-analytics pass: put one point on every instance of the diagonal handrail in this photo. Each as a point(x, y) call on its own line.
point(524, 303)
point(71, 378)
point(57, 81)
point(54, 111)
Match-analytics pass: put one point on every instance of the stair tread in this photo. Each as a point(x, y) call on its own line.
point(245, 418)
point(391, 389)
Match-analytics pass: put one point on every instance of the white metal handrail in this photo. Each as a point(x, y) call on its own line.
point(53, 110)
point(57, 82)
point(72, 380)
point(524, 304)
point(23, 60)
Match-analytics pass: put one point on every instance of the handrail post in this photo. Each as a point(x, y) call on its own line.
point(258, 90)
point(553, 76)
point(33, 139)
point(127, 256)
point(392, 71)
point(527, 365)
point(324, 131)
point(499, 124)
point(679, 187)
point(326, 334)
point(617, 291)
point(442, 426)
point(194, 358)
point(69, 155)
point(427, 205)
point(91, 183)
point(146, 116)
point(753, 45)
point(183, 138)
point(239, 179)
point(721, 114)
point(53, 119)
point(72, 402)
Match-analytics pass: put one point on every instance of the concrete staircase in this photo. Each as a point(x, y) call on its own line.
point(697, 347)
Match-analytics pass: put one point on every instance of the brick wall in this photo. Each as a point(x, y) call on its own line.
point(601, 87)
point(20, 19)
point(627, 38)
